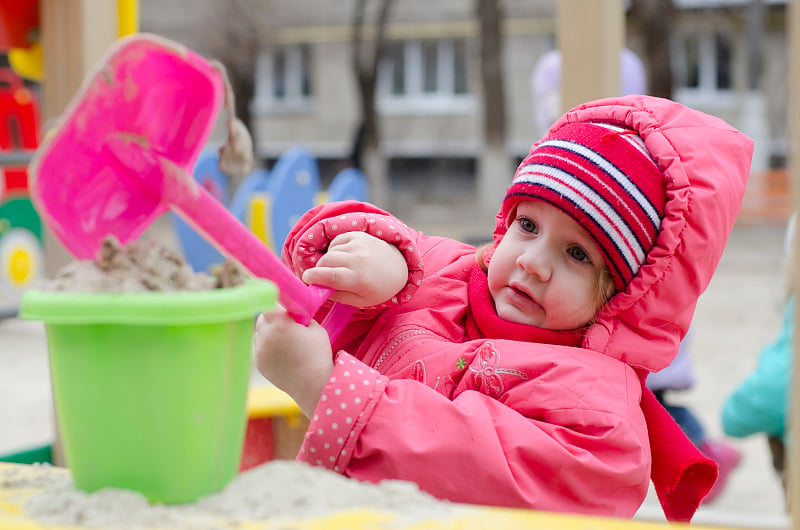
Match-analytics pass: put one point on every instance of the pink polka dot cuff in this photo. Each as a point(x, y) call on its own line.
point(344, 408)
point(313, 243)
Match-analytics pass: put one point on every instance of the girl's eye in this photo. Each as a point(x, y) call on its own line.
point(527, 225)
point(577, 253)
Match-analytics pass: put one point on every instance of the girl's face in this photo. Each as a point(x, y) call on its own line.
point(546, 269)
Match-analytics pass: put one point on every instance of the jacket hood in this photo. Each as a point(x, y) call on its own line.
point(705, 163)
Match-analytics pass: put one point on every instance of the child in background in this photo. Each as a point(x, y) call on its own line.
point(759, 403)
point(678, 376)
point(514, 375)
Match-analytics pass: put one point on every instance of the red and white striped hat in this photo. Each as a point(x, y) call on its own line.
point(603, 176)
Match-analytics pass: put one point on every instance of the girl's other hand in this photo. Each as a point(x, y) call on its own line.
point(364, 270)
point(295, 358)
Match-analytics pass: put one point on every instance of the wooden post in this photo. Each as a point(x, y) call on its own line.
point(74, 34)
point(793, 450)
point(590, 35)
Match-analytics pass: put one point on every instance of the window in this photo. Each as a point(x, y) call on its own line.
point(704, 62)
point(692, 74)
point(283, 79)
point(425, 76)
point(394, 68)
point(724, 52)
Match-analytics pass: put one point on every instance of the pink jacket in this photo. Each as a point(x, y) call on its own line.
point(509, 423)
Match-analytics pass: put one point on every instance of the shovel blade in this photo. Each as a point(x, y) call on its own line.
point(83, 203)
point(146, 87)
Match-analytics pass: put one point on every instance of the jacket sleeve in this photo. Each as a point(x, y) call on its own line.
point(487, 444)
point(309, 239)
point(314, 231)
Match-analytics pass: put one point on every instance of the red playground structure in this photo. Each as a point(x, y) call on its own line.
point(21, 231)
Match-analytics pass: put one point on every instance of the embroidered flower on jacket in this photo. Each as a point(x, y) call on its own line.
point(485, 373)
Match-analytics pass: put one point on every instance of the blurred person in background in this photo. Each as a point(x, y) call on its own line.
point(680, 376)
point(759, 404)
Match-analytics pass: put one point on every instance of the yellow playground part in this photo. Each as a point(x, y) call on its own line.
point(269, 401)
point(127, 17)
point(258, 213)
point(29, 64)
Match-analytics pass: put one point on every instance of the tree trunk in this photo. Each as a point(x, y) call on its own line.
point(366, 58)
point(653, 21)
point(236, 44)
point(495, 168)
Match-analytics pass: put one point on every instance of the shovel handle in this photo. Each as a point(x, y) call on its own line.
point(209, 217)
point(161, 178)
point(337, 318)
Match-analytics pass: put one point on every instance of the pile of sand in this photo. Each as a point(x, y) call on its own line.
point(279, 490)
point(139, 266)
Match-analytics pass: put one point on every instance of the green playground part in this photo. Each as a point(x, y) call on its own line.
point(35, 455)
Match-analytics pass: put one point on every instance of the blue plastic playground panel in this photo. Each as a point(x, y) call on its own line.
point(293, 187)
point(269, 203)
point(199, 253)
point(348, 184)
point(255, 183)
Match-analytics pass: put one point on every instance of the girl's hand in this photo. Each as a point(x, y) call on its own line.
point(364, 270)
point(295, 358)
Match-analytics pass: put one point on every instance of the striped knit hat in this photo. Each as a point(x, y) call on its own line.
point(604, 177)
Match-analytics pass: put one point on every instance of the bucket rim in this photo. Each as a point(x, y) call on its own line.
point(150, 308)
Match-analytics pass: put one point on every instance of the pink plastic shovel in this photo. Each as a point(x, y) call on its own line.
point(123, 154)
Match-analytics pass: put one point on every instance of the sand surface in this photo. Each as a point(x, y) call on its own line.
point(277, 490)
point(142, 265)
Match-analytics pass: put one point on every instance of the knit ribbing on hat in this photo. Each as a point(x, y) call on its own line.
point(603, 177)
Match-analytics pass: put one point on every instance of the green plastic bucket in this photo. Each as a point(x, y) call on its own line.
point(150, 389)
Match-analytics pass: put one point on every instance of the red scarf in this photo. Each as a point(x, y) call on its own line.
point(681, 474)
point(483, 322)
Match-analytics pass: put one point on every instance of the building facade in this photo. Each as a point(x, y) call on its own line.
point(728, 59)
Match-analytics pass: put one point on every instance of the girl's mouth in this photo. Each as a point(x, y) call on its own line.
point(522, 300)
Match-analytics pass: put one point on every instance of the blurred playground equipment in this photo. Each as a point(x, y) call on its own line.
point(19, 33)
point(267, 202)
point(275, 427)
point(19, 28)
point(21, 238)
point(22, 258)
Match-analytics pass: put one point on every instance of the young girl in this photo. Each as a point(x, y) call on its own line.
point(513, 376)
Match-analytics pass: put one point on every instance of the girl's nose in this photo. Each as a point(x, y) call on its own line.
point(537, 261)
